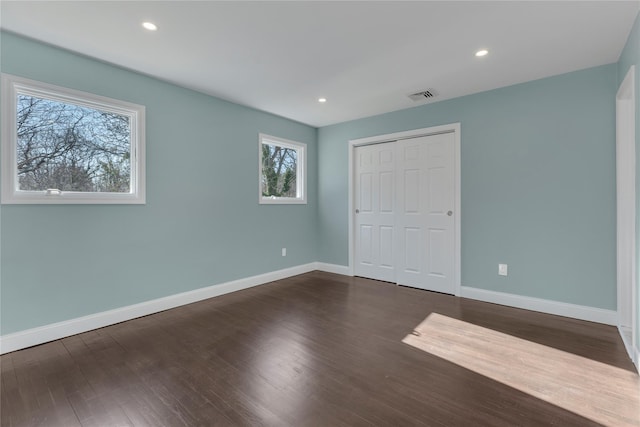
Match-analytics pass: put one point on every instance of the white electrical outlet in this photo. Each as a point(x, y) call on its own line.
point(284, 251)
point(503, 270)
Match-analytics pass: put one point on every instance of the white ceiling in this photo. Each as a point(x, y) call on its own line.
point(364, 57)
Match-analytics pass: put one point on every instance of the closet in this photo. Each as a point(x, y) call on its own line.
point(404, 223)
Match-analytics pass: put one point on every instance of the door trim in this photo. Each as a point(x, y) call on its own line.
point(626, 196)
point(390, 137)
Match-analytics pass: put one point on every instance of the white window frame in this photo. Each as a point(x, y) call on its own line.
point(301, 172)
point(10, 191)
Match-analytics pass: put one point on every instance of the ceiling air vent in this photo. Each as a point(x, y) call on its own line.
point(423, 94)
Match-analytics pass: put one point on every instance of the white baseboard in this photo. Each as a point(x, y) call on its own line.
point(633, 352)
point(592, 314)
point(54, 331)
point(333, 268)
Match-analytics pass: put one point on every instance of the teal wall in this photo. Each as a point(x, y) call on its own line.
point(538, 193)
point(538, 184)
point(202, 224)
point(631, 56)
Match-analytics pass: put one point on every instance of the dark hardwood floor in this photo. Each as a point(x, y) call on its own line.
point(327, 350)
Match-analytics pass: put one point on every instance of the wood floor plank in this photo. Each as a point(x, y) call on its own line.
point(321, 349)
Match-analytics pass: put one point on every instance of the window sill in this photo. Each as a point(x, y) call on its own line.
point(281, 201)
point(73, 198)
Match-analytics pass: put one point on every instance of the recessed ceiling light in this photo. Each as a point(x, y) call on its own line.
point(150, 26)
point(482, 52)
point(322, 99)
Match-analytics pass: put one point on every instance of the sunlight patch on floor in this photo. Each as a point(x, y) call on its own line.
point(594, 390)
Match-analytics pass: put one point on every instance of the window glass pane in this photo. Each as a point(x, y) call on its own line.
point(279, 170)
point(71, 147)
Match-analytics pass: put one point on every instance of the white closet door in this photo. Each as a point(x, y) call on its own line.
point(424, 220)
point(404, 220)
point(375, 213)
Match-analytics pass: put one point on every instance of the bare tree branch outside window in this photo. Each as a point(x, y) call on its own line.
point(71, 147)
point(279, 168)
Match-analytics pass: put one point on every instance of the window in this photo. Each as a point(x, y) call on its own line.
point(65, 146)
point(282, 171)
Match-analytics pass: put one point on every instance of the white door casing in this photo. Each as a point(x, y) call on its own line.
point(626, 209)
